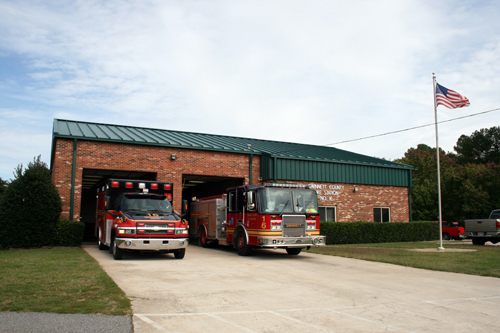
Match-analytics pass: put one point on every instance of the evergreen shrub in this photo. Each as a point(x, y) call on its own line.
point(29, 208)
point(370, 232)
point(68, 233)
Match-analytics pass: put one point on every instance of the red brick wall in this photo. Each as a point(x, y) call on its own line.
point(114, 156)
point(350, 205)
point(61, 173)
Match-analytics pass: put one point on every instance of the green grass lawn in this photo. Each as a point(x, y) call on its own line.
point(58, 280)
point(458, 256)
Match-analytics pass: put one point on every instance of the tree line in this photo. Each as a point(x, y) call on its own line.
point(470, 178)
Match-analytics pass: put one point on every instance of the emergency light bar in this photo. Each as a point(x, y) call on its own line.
point(142, 186)
point(286, 185)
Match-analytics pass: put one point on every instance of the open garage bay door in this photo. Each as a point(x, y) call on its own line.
point(192, 186)
point(90, 179)
point(206, 186)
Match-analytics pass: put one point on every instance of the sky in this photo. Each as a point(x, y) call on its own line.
point(316, 72)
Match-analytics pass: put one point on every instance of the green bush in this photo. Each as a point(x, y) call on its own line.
point(68, 233)
point(29, 208)
point(369, 232)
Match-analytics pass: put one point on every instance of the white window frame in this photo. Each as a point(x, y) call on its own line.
point(326, 210)
point(382, 214)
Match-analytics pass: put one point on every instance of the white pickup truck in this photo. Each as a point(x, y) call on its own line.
point(483, 230)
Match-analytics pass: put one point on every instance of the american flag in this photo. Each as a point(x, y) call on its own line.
point(449, 98)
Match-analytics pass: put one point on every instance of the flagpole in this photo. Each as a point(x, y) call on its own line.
point(438, 166)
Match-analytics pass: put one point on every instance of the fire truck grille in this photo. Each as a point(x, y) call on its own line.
point(294, 225)
point(156, 229)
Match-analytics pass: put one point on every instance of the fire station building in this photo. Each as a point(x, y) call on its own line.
point(350, 186)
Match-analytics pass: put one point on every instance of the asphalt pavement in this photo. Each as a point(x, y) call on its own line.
point(35, 322)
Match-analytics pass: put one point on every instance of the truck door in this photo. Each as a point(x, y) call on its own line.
point(235, 214)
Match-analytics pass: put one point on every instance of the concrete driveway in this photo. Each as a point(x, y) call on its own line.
point(215, 290)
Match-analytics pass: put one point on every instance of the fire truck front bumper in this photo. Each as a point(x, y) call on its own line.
point(152, 244)
point(292, 241)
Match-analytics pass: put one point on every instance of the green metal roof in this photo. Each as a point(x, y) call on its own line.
point(200, 141)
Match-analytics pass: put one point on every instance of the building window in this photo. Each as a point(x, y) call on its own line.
point(327, 213)
point(381, 214)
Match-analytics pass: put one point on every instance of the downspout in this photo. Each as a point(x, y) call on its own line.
point(275, 168)
point(73, 172)
point(409, 193)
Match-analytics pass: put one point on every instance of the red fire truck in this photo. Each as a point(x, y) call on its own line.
point(137, 215)
point(270, 216)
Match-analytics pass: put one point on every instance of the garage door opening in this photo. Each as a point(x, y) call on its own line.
point(91, 178)
point(194, 186)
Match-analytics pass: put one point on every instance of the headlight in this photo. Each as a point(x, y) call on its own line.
point(123, 231)
point(181, 231)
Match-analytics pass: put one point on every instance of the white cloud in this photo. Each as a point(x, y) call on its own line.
point(313, 72)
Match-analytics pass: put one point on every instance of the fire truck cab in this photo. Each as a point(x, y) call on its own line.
point(137, 215)
point(271, 216)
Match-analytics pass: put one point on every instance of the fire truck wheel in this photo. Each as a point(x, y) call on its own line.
point(100, 244)
point(293, 250)
point(202, 238)
point(117, 252)
point(241, 244)
point(179, 254)
point(446, 236)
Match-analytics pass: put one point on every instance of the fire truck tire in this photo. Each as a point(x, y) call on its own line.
point(110, 248)
point(179, 254)
point(202, 238)
point(242, 245)
point(293, 250)
point(117, 252)
point(100, 244)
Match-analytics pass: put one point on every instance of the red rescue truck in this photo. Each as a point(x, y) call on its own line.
point(271, 216)
point(137, 215)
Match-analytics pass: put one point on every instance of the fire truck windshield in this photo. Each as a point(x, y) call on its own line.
point(284, 200)
point(140, 203)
